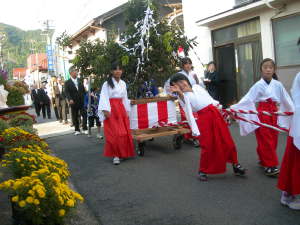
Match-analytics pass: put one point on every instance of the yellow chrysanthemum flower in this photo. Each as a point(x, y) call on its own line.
point(22, 203)
point(61, 212)
point(41, 193)
point(15, 198)
point(70, 203)
point(36, 202)
point(29, 199)
point(17, 184)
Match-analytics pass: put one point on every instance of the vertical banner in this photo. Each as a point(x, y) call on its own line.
point(50, 58)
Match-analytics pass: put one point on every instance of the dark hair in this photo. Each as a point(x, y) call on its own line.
point(185, 61)
point(178, 77)
point(274, 76)
point(114, 66)
point(211, 63)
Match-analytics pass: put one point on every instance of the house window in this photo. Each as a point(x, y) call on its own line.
point(236, 31)
point(286, 34)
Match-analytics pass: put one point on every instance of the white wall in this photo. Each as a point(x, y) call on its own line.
point(99, 34)
point(266, 18)
point(192, 12)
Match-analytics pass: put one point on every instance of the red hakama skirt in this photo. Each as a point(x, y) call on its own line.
point(289, 177)
point(267, 138)
point(118, 139)
point(216, 143)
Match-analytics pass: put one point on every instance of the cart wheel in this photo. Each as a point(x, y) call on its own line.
point(177, 141)
point(141, 149)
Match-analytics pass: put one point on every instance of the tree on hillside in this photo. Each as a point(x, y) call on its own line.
point(19, 44)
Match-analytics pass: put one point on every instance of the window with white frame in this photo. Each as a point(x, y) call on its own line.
point(286, 34)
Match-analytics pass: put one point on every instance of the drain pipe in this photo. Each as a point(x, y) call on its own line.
point(278, 10)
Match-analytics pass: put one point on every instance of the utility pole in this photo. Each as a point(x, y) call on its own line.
point(34, 50)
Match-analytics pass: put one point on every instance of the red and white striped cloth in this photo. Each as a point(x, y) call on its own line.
point(152, 114)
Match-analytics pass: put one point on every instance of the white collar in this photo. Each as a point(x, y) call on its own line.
point(74, 80)
point(116, 82)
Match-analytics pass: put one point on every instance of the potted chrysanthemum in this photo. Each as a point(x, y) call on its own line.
point(41, 198)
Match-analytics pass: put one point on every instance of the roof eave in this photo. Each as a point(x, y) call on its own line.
point(232, 12)
point(110, 14)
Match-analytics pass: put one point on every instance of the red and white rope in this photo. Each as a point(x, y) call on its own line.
point(280, 129)
point(259, 112)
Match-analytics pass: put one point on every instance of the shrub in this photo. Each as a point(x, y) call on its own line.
point(30, 130)
point(21, 120)
point(25, 160)
point(42, 197)
point(15, 137)
point(15, 97)
point(3, 125)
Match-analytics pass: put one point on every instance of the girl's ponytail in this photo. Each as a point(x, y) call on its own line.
point(110, 82)
point(275, 77)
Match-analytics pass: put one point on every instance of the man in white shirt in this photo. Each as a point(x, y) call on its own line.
point(75, 94)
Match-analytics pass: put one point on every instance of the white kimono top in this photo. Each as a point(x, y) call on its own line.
point(295, 124)
point(193, 102)
point(119, 91)
point(260, 92)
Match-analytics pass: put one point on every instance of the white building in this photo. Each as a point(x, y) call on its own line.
point(239, 38)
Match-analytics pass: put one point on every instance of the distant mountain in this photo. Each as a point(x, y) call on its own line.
point(19, 44)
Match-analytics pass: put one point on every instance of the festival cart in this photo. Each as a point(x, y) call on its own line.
point(155, 117)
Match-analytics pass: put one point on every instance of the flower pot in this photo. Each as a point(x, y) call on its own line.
point(19, 216)
point(2, 151)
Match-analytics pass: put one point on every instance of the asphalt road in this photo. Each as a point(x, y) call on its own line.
point(162, 188)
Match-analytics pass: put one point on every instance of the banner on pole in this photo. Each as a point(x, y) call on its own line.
point(50, 58)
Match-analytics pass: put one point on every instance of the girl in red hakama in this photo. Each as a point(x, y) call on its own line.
point(269, 95)
point(187, 70)
point(289, 177)
point(217, 145)
point(114, 108)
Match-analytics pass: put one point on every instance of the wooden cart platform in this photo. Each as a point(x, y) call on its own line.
point(143, 135)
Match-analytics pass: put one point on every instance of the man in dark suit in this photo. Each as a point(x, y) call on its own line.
point(44, 100)
point(75, 94)
point(35, 100)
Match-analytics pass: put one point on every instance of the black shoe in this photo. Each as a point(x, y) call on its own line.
point(271, 171)
point(202, 176)
point(239, 170)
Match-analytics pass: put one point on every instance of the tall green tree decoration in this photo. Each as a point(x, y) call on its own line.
point(147, 49)
point(151, 43)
